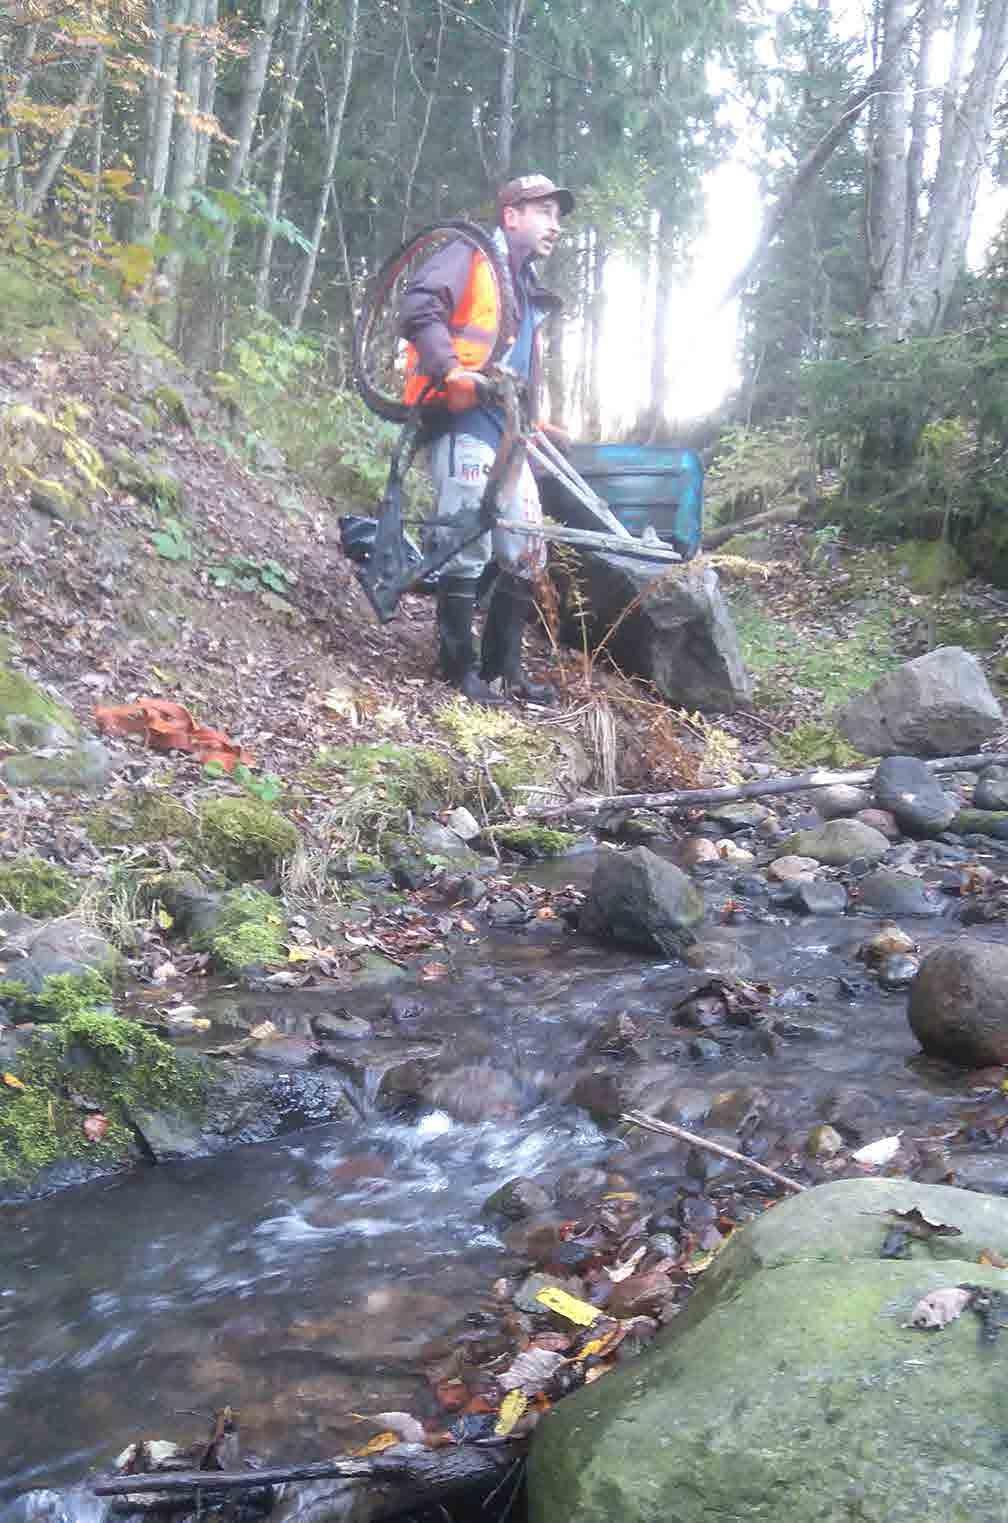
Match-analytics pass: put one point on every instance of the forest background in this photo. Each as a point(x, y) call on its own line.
point(241, 170)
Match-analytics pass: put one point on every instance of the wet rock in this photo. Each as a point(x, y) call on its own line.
point(616, 1037)
point(698, 849)
point(525, 1296)
point(715, 955)
point(247, 1103)
point(991, 791)
point(888, 892)
point(840, 801)
point(898, 972)
point(705, 1050)
point(750, 887)
point(439, 841)
point(981, 822)
point(169, 1136)
point(696, 1212)
point(912, 793)
point(340, 1026)
point(743, 816)
point(507, 912)
point(790, 869)
point(800, 1331)
point(938, 705)
point(836, 844)
point(472, 1094)
point(735, 856)
point(958, 1007)
point(638, 898)
point(607, 1092)
point(818, 896)
point(463, 823)
point(880, 820)
point(518, 1199)
point(640, 1295)
point(582, 1184)
point(36, 950)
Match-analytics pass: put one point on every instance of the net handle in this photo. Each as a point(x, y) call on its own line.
point(382, 287)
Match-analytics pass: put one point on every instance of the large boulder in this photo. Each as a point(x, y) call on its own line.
point(836, 843)
point(639, 898)
point(793, 1388)
point(938, 705)
point(991, 791)
point(680, 635)
point(911, 792)
point(959, 1003)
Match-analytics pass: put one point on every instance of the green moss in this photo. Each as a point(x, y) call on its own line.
point(18, 695)
point(534, 840)
point(815, 745)
point(250, 929)
point(172, 404)
point(377, 786)
point(834, 667)
point(62, 995)
point(35, 887)
point(147, 482)
point(246, 838)
point(103, 1060)
point(141, 821)
point(517, 755)
point(930, 565)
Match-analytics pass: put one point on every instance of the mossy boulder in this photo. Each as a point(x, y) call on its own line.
point(793, 1386)
point(142, 820)
point(246, 838)
point(516, 755)
point(20, 698)
point(172, 406)
point(248, 929)
point(76, 769)
point(981, 822)
point(37, 888)
point(536, 842)
point(146, 481)
point(36, 951)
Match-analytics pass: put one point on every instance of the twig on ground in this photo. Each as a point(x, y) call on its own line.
point(653, 1124)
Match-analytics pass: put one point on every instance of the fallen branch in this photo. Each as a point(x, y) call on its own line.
point(785, 513)
point(796, 782)
point(432, 1472)
point(652, 1124)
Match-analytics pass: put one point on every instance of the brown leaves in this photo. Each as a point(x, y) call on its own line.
point(168, 726)
point(95, 1126)
point(940, 1307)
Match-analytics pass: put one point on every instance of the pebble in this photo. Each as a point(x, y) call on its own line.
point(789, 869)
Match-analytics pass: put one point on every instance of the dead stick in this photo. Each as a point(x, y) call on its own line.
point(652, 1124)
point(461, 1464)
point(796, 782)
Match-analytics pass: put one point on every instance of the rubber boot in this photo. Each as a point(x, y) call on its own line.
point(456, 604)
point(510, 607)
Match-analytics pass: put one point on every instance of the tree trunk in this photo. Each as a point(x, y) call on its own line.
point(887, 167)
point(294, 52)
point(428, 95)
point(920, 117)
point(96, 170)
point(183, 166)
point(506, 87)
point(252, 89)
point(596, 320)
point(61, 146)
point(158, 28)
point(19, 85)
point(661, 340)
point(207, 89)
point(332, 153)
point(164, 120)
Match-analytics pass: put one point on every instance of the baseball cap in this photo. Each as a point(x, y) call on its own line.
point(533, 188)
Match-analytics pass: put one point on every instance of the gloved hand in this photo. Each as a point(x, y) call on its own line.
point(460, 389)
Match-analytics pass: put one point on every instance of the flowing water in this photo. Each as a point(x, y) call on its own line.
point(315, 1277)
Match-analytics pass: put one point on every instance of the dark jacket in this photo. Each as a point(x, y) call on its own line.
point(435, 292)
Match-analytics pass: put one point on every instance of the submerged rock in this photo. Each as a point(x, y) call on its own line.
point(938, 705)
point(792, 1387)
point(888, 892)
point(959, 1004)
point(639, 898)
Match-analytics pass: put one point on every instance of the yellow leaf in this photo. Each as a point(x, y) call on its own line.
point(300, 954)
point(13, 1082)
point(164, 920)
point(376, 1445)
point(621, 1195)
point(568, 1306)
point(511, 1409)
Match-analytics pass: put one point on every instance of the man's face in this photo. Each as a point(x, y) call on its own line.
point(533, 227)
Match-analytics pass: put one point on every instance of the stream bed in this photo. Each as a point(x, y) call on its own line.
point(315, 1277)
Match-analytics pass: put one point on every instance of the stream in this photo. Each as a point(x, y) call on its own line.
point(317, 1276)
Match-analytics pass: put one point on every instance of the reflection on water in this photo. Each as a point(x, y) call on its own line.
point(308, 1279)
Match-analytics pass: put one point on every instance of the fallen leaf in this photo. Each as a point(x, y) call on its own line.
point(512, 1407)
point(597, 1371)
point(622, 1271)
point(531, 1371)
point(918, 1225)
point(434, 970)
point(402, 1424)
point(94, 1127)
point(263, 1031)
point(940, 1307)
point(599, 1347)
point(568, 1306)
point(878, 1153)
point(376, 1445)
point(167, 726)
point(13, 1082)
point(995, 1260)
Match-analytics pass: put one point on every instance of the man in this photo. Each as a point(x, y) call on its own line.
point(450, 319)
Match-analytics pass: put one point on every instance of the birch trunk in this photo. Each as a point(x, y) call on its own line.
point(164, 121)
point(158, 14)
point(887, 166)
point(207, 89)
point(332, 153)
point(251, 96)
point(20, 84)
point(96, 170)
point(920, 118)
point(58, 152)
point(183, 166)
point(294, 52)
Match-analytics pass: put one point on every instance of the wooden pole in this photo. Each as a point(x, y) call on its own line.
point(796, 782)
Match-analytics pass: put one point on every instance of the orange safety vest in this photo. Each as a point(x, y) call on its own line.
point(473, 325)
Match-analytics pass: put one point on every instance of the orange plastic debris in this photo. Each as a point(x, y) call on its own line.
point(168, 726)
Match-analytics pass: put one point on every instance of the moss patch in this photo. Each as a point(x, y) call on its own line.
point(387, 782)
point(37, 888)
point(249, 929)
point(19, 695)
point(930, 566)
point(63, 996)
point(815, 745)
point(516, 754)
point(246, 838)
point(141, 821)
point(534, 841)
